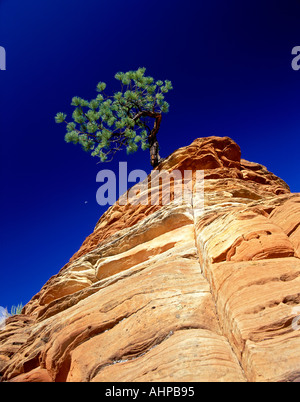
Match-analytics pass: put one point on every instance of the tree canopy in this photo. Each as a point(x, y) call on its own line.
point(128, 119)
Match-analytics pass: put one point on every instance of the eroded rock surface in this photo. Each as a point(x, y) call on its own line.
point(174, 292)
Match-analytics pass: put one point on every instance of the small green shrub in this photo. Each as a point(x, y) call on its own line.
point(16, 309)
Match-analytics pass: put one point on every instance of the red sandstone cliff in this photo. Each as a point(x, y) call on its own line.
point(174, 292)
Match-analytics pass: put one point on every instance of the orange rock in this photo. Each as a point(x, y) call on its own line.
point(287, 217)
point(174, 292)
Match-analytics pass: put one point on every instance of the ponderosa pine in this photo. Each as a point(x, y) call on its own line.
point(128, 119)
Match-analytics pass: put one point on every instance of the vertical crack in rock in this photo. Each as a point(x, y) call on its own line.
point(213, 296)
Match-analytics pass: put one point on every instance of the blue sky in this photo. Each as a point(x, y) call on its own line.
point(230, 65)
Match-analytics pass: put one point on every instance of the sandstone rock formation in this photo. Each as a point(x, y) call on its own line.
point(174, 292)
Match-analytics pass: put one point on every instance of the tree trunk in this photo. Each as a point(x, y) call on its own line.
point(154, 155)
point(154, 147)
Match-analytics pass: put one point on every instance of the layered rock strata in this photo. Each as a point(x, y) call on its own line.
point(205, 289)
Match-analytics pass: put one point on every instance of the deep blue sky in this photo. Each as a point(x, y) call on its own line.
point(230, 65)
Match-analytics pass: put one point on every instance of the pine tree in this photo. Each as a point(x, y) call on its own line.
point(128, 119)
